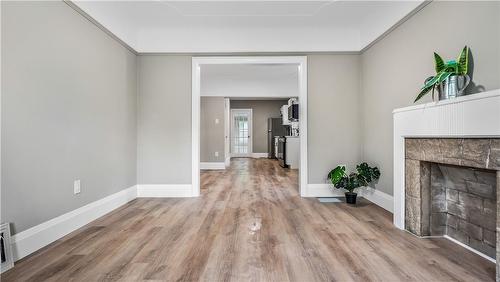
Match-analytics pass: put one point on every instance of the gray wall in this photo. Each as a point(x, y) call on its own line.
point(394, 68)
point(164, 117)
point(261, 111)
point(211, 133)
point(68, 112)
point(334, 120)
point(164, 120)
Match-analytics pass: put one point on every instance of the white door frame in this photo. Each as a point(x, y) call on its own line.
point(227, 132)
point(250, 132)
point(197, 62)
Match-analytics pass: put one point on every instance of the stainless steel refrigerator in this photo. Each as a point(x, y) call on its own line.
point(274, 128)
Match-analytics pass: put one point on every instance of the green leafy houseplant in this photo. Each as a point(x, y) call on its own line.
point(362, 177)
point(444, 70)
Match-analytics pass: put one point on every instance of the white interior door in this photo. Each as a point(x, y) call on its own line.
point(241, 133)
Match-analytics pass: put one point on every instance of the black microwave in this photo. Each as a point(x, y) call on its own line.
point(293, 112)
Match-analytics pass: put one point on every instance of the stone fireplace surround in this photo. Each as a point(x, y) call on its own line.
point(451, 189)
point(471, 116)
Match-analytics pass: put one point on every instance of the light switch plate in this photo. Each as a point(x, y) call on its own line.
point(76, 187)
point(216, 121)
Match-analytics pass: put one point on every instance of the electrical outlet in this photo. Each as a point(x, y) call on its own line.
point(76, 187)
point(216, 154)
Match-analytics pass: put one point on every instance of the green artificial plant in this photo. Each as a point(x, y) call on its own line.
point(445, 70)
point(362, 177)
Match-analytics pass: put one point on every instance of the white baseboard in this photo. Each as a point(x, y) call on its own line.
point(212, 165)
point(377, 197)
point(164, 190)
point(259, 155)
point(33, 239)
point(322, 190)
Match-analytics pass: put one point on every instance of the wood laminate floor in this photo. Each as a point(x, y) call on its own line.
point(249, 225)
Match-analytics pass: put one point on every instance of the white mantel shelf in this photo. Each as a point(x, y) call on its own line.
point(476, 115)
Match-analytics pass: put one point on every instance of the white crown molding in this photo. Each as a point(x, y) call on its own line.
point(99, 25)
point(39, 236)
point(74, 6)
point(395, 26)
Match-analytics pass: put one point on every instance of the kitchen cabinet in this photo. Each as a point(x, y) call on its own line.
point(293, 152)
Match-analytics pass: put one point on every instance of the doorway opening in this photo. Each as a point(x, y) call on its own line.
point(241, 133)
point(247, 133)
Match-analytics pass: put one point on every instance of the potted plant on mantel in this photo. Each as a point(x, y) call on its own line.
point(451, 77)
point(363, 176)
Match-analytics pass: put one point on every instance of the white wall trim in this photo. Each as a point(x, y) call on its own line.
point(33, 239)
point(213, 165)
point(462, 117)
point(197, 62)
point(259, 155)
point(227, 131)
point(323, 190)
point(377, 197)
point(164, 190)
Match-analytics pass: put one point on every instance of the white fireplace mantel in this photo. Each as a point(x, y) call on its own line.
point(476, 115)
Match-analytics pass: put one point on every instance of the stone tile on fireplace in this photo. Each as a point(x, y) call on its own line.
point(457, 235)
point(450, 151)
point(475, 152)
point(438, 223)
point(470, 201)
point(450, 191)
point(489, 207)
point(494, 158)
point(452, 221)
point(457, 210)
point(483, 220)
point(413, 215)
point(480, 189)
point(454, 177)
point(489, 237)
point(482, 247)
point(430, 150)
point(451, 195)
point(413, 150)
point(498, 227)
point(413, 178)
point(471, 230)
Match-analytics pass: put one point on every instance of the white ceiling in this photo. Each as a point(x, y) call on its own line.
point(248, 81)
point(247, 26)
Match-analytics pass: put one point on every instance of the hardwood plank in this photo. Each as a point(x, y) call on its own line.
point(249, 224)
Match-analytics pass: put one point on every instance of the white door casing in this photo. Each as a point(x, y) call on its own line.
point(197, 62)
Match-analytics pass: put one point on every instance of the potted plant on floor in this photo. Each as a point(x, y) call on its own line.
point(363, 176)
